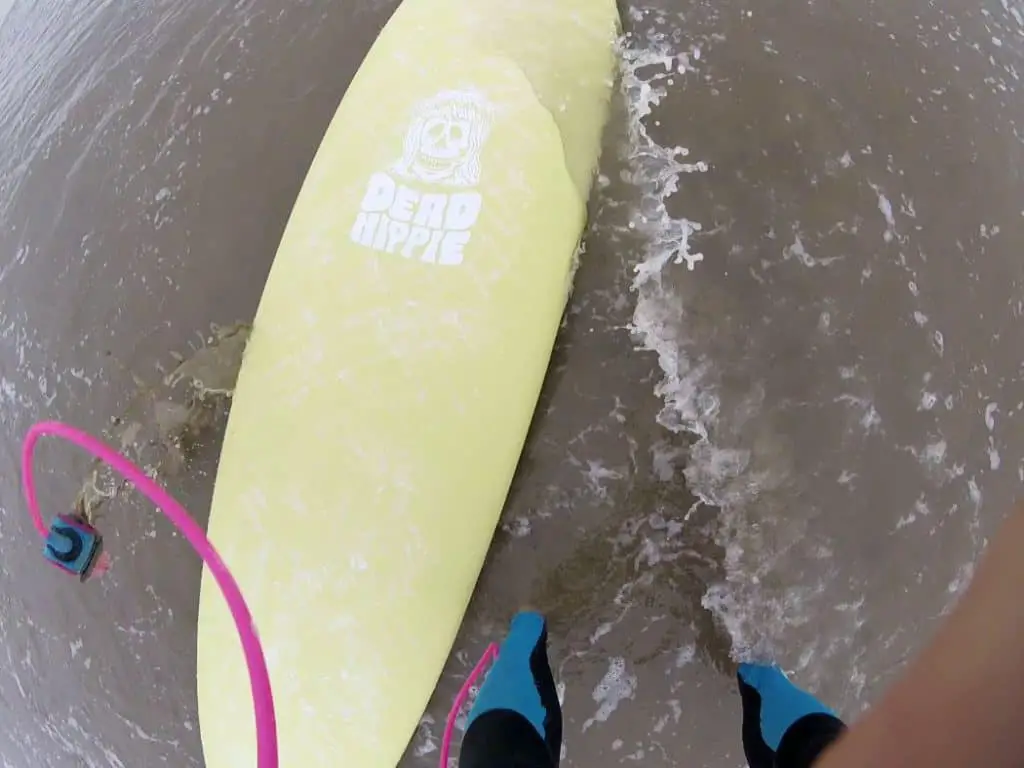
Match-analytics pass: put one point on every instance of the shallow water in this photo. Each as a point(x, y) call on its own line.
point(794, 449)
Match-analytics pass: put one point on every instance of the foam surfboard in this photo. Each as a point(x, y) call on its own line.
point(394, 365)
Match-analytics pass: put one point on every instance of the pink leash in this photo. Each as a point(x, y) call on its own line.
point(490, 654)
point(262, 698)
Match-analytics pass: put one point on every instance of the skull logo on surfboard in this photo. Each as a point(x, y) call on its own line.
point(444, 140)
point(425, 205)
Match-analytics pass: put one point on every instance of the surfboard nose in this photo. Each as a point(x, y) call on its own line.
point(565, 49)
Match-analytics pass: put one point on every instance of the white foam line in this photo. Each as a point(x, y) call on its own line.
point(654, 172)
point(722, 476)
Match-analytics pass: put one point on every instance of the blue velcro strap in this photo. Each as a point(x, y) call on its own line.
point(71, 545)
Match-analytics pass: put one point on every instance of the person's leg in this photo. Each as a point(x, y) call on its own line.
point(516, 720)
point(783, 726)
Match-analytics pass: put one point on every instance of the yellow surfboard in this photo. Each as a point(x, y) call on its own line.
point(394, 366)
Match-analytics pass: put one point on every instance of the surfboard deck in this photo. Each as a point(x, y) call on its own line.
point(394, 366)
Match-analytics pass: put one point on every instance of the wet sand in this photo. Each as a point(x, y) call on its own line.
point(794, 450)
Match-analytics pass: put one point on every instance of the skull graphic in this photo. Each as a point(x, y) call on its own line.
point(443, 143)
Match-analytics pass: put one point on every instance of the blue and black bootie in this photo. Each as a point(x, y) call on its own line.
point(783, 726)
point(516, 719)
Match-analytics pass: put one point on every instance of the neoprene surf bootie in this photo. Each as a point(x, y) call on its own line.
point(783, 726)
point(516, 719)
